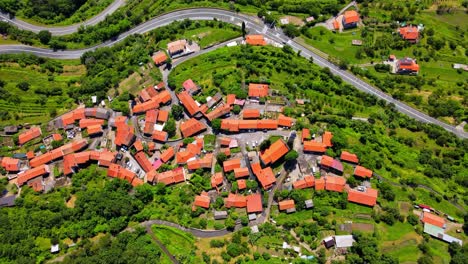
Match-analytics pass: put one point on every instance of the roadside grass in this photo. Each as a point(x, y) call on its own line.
point(88, 10)
point(179, 244)
point(208, 36)
point(32, 106)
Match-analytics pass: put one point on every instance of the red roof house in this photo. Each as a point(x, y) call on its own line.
point(189, 103)
point(255, 40)
point(258, 90)
point(29, 135)
point(190, 86)
point(167, 154)
point(307, 182)
point(320, 184)
point(266, 177)
point(241, 172)
point(326, 138)
point(254, 203)
point(159, 58)
point(235, 200)
point(305, 134)
point(367, 197)
point(432, 219)
point(409, 33)
point(251, 114)
point(349, 157)
point(143, 161)
point(202, 200)
point(160, 136)
point(285, 121)
point(191, 127)
point(362, 172)
point(314, 146)
point(31, 174)
point(216, 179)
point(286, 204)
point(230, 165)
point(335, 184)
point(10, 164)
point(274, 152)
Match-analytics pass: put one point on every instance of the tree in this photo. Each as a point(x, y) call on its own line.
point(236, 109)
point(23, 86)
point(177, 111)
point(44, 36)
point(243, 29)
point(144, 193)
point(291, 156)
point(221, 157)
point(216, 124)
point(170, 127)
point(291, 31)
point(265, 144)
point(412, 219)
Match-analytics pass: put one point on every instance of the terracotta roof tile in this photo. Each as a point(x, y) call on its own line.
point(258, 90)
point(362, 172)
point(167, 154)
point(29, 135)
point(255, 40)
point(349, 157)
point(274, 152)
point(368, 197)
point(286, 204)
point(251, 114)
point(230, 165)
point(191, 127)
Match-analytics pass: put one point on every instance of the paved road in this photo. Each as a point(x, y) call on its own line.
point(196, 232)
point(65, 30)
point(253, 24)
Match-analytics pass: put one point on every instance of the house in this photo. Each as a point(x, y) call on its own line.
point(409, 33)
point(251, 114)
point(241, 172)
point(276, 151)
point(87, 122)
point(314, 146)
point(202, 200)
point(258, 90)
point(124, 135)
point(349, 157)
point(362, 172)
point(241, 184)
point(331, 164)
point(350, 19)
point(159, 58)
point(230, 99)
point(255, 40)
point(326, 139)
point(144, 162)
point(345, 241)
point(219, 215)
point(305, 134)
point(7, 201)
point(94, 130)
point(254, 203)
point(216, 180)
point(30, 174)
point(225, 141)
point(160, 136)
point(54, 248)
point(309, 204)
point(163, 116)
point(167, 154)
point(336, 184)
point(328, 242)
point(10, 130)
point(169, 177)
point(212, 101)
point(439, 233)
point(37, 184)
point(232, 164)
point(191, 127)
point(161, 98)
point(407, 66)
point(226, 151)
point(233, 125)
point(203, 163)
point(29, 135)
point(432, 219)
point(307, 182)
point(219, 112)
point(367, 196)
point(285, 121)
point(10, 164)
point(190, 87)
point(287, 205)
point(150, 120)
point(189, 103)
point(190, 151)
point(265, 176)
point(176, 47)
point(235, 200)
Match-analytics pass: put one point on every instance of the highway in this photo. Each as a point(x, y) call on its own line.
point(254, 25)
point(64, 30)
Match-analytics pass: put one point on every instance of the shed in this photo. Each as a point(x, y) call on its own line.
point(345, 241)
point(218, 215)
point(328, 242)
point(309, 204)
point(54, 248)
point(252, 217)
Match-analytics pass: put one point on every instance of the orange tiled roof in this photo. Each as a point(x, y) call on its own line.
point(286, 204)
point(410, 33)
point(90, 122)
point(106, 158)
point(225, 141)
point(351, 16)
point(254, 203)
point(57, 137)
point(314, 146)
point(230, 165)
point(305, 134)
point(143, 161)
point(176, 46)
point(307, 182)
point(218, 112)
point(173, 176)
point(216, 179)
point(188, 102)
point(349, 157)
point(251, 114)
point(167, 154)
point(320, 184)
point(336, 24)
point(31, 174)
point(235, 200)
point(226, 151)
point(326, 139)
point(255, 40)
point(202, 200)
point(274, 152)
point(124, 135)
point(266, 177)
point(160, 136)
point(204, 162)
point(241, 184)
point(362, 172)
point(230, 99)
point(138, 145)
point(241, 172)
point(30, 154)
point(258, 90)
point(433, 219)
point(29, 135)
point(285, 121)
point(335, 184)
point(191, 127)
point(163, 116)
point(10, 164)
point(159, 57)
point(326, 161)
point(189, 85)
point(94, 129)
point(368, 197)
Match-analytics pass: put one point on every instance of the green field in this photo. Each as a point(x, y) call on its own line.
point(178, 243)
point(46, 94)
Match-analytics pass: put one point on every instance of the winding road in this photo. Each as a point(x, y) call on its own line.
point(254, 25)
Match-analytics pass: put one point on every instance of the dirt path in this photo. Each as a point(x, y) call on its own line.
point(161, 245)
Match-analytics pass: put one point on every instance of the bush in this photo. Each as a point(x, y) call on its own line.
point(216, 243)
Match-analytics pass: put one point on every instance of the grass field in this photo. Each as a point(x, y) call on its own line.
point(179, 243)
point(47, 93)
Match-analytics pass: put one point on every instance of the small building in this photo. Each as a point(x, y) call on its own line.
point(191, 127)
point(9, 130)
point(219, 215)
point(350, 19)
point(202, 200)
point(254, 229)
point(176, 47)
point(314, 146)
point(252, 217)
point(159, 58)
point(232, 164)
point(258, 90)
point(190, 86)
point(255, 40)
point(287, 205)
point(276, 151)
point(407, 66)
point(439, 233)
point(254, 203)
point(349, 157)
point(54, 248)
point(345, 241)
point(217, 179)
point(428, 218)
point(362, 172)
point(363, 195)
point(328, 242)
point(409, 33)
point(7, 201)
point(309, 204)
